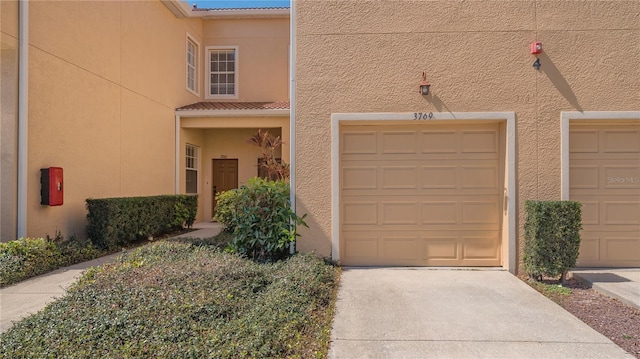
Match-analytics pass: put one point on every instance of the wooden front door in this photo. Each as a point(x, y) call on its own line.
point(225, 177)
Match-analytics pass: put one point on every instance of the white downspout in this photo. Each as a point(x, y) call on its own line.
point(23, 116)
point(292, 110)
point(177, 173)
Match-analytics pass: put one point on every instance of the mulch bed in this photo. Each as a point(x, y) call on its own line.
point(610, 317)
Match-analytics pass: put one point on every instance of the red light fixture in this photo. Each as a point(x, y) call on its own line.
point(424, 85)
point(536, 48)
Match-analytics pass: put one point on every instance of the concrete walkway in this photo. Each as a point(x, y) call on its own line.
point(430, 313)
point(620, 283)
point(30, 296)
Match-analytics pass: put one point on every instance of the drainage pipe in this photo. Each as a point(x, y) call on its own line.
point(177, 156)
point(23, 116)
point(292, 110)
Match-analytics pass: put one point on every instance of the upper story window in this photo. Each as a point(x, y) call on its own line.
point(193, 50)
point(223, 72)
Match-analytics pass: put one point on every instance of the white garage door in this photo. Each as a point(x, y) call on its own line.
point(421, 195)
point(604, 174)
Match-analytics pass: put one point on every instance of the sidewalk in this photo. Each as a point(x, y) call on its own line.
point(620, 283)
point(27, 297)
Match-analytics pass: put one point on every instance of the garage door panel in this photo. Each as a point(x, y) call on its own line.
point(622, 176)
point(621, 213)
point(605, 178)
point(480, 212)
point(621, 249)
point(359, 178)
point(584, 141)
point(394, 177)
point(396, 212)
point(480, 177)
point(590, 212)
point(439, 177)
point(621, 141)
point(476, 247)
point(365, 213)
point(440, 212)
point(403, 142)
point(581, 177)
point(364, 142)
point(438, 142)
point(479, 141)
point(363, 247)
point(589, 250)
point(401, 248)
point(440, 248)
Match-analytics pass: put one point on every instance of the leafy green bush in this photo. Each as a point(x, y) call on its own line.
point(226, 203)
point(114, 222)
point(26, 257)
point(264, 226)
point(552, 237)
point(178, 300)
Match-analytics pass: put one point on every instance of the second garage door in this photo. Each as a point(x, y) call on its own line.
point(605, 176)
point(421, 195)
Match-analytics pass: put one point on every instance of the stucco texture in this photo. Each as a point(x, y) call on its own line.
point(364, 56)
point(105, 79)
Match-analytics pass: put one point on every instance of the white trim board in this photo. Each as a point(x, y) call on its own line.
point(565, 118)
point(338, 119)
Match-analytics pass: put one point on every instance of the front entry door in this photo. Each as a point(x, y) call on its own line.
point(225, 177)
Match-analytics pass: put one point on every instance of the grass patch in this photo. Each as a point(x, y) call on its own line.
point(550, 288)
point(181, 299)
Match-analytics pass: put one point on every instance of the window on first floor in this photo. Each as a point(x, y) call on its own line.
point(223, 72)
point(192, 169)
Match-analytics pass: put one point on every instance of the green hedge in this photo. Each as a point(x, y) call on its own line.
point(28, 257)
point(552, 237)
point(116, 221)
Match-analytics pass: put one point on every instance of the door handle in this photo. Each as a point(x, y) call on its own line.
point(505, 201)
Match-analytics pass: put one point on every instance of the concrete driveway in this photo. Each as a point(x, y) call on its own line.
point(444, 313)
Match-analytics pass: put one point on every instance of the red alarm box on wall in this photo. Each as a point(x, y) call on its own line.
point(51, 186)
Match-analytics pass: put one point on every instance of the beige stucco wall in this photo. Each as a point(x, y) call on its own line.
point(363, 56)
point(8, 117)
point(105, 79)
point(263, 54)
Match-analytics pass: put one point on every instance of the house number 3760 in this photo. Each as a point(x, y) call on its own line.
point(423, 115)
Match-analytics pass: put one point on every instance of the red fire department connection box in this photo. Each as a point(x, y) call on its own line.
point(51, 186)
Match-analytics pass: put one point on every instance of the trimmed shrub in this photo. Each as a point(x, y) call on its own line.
point(260, 217)
point(552, 237)
point(116, 221)
point(28, 257)
point(226, 203)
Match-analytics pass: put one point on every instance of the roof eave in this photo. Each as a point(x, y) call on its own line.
point(233, 113)
point(178, 8)
point(182, 9)
point(242, 13)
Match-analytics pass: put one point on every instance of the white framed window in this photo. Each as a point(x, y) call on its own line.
point(222, 70)
point(191, 174)
point(193, 54)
